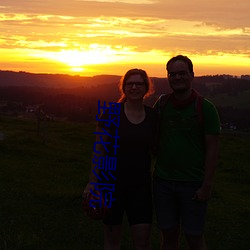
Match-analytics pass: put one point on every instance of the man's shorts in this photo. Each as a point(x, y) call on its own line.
point(136, 203)
point(174, 205)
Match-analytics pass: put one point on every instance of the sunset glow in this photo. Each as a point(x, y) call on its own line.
point(110, 37)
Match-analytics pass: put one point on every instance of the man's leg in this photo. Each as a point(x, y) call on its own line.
point(193, 215)
point(167, 211)
point(170, 239)
point(196, 242)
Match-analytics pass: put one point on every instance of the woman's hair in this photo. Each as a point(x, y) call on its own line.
point(123, 80)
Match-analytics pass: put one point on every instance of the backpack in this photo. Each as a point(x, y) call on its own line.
point(162, 101)
point(164, 98)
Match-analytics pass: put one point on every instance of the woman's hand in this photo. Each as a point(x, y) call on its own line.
point(86, 191)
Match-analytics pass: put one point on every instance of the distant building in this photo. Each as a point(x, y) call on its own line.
point(246, 77)
point(225, 76)
point(229, 126)
point(31, 108)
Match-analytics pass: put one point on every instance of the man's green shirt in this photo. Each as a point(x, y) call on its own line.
point(181, 154)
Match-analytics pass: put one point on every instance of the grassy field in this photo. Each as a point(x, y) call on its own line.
point(42, 177)
point(224, 100)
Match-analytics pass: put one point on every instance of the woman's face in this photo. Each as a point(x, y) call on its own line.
point(135, 87)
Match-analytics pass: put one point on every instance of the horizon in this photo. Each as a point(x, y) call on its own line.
point(117, 75)
point(107, 37)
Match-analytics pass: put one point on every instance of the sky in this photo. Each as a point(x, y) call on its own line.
point(89, 38)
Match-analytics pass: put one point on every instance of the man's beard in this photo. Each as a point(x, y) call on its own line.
point(181, 90)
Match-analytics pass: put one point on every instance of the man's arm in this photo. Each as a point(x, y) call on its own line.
point(211, 161)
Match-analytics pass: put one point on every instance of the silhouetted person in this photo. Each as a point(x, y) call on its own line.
point(132, 192)
point(187, 158)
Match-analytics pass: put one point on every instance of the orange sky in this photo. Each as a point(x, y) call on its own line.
point(110, 36)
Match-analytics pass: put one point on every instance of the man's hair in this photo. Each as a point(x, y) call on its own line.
point(185, 59)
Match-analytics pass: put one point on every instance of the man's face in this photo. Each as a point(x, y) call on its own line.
point(179, 77)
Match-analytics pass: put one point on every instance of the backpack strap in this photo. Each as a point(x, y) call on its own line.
point(198, 107)
point(163, 99)
point(159, 104)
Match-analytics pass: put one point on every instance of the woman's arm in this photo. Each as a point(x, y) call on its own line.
point(98, 147)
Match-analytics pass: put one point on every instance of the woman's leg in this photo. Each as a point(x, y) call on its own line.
point(112, 237)
point(141, 234)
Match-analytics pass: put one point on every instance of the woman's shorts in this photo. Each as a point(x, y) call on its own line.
point(136, 203)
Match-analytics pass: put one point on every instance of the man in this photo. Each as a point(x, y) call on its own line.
point(186, 159)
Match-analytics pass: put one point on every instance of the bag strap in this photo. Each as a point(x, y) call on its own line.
point(198, 107)
point(164, 98)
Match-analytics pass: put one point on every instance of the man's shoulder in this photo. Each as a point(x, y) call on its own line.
point(163, 99)
point(208, 104)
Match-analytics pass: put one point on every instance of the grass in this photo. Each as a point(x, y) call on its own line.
point(42, 177)
point(241, 100)
point(229, 209)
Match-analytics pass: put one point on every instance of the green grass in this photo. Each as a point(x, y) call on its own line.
point(239, 101)
point(228, 219)
point(42, 177)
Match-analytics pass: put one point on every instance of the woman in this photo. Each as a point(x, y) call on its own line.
point(132, 192)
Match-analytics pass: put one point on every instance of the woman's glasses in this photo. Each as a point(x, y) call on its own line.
point(137, 84)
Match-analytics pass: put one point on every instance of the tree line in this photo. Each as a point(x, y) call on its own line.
point(77, 101)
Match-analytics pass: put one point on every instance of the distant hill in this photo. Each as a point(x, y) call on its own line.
point(11, 78)
point(204, 84)
point(75, 97)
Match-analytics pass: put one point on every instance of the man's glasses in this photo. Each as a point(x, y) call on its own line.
point(137, 84)
point(179, 73)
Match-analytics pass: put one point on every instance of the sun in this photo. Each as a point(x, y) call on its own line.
point(72, 58)
point(89, 58)
point(76, 59)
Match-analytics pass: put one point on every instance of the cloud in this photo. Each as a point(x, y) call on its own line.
point(139, 27)
point(122, 1)
point(225, 13)
point(49, 31)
